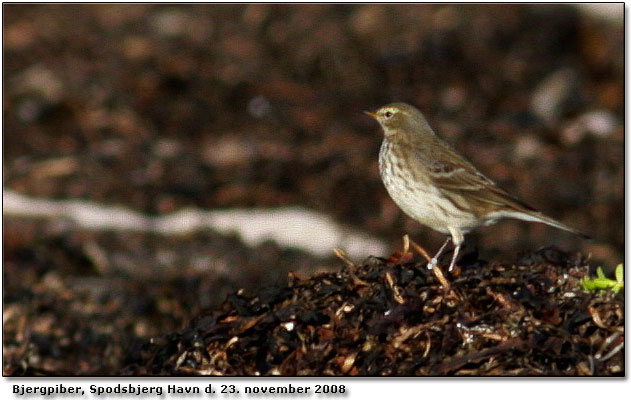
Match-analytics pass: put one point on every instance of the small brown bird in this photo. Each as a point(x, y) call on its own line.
point(437, 187)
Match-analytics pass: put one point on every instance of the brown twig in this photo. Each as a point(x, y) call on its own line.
point(352, 267)
point(419, 249)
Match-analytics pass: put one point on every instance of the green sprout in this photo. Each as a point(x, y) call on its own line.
point(601, 282)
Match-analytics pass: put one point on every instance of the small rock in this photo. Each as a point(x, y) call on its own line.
point(41, 81)
point(453, 97)
point(527, 147)
point(170, 22)
point(259, 107)
point(550, 94)
point(599, 123)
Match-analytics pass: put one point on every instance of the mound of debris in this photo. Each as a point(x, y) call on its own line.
point(395, 318)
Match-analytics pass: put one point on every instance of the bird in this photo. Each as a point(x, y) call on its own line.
point(437, 187)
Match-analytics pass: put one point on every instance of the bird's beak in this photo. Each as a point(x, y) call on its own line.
point(372, 114)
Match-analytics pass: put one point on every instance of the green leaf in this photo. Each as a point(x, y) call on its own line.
point(620, 273)
point(619, 278)
point(601, 282)
point(600, 273)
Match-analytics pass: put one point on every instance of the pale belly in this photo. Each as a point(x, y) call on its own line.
point(422, 201)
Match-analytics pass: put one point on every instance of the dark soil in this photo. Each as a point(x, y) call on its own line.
point(160, 107)
point(390, 318)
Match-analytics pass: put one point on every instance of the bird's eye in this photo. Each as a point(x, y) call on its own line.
point(388, 114)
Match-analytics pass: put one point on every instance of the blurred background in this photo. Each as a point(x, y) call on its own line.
point(158, 157)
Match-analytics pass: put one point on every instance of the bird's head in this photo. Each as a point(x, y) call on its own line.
point(401, 119)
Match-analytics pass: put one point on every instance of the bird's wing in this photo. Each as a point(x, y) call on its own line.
point(459, 181)
point(450, 171)
point(452, 174)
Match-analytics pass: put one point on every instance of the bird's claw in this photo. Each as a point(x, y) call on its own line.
point(432, 263)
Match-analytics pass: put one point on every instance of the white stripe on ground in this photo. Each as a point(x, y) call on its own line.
point(290, 226)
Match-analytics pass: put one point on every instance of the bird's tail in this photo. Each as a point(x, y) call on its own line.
point(536, 216)
point(520, 210)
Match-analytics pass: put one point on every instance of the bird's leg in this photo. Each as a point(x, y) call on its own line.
point(453, 259)
point(434, 260)
point(458, 237)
